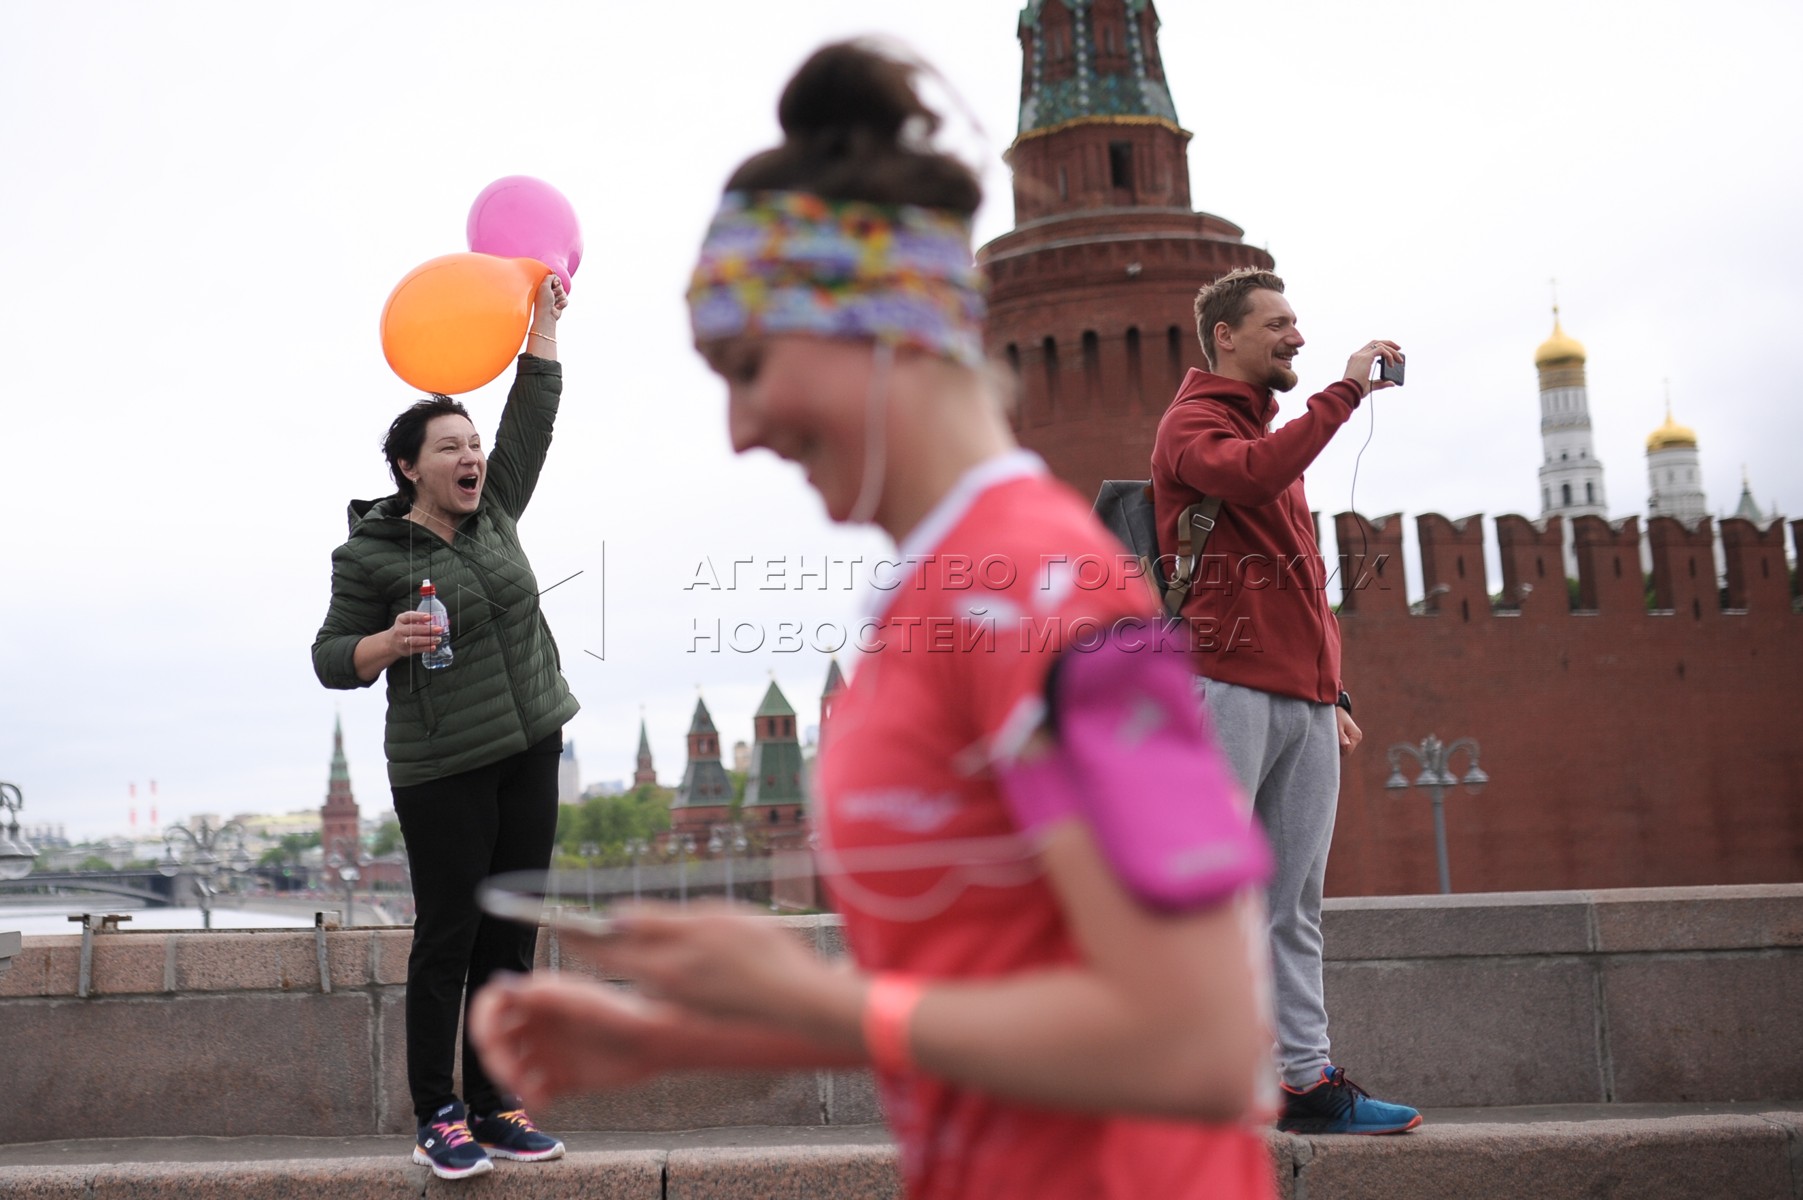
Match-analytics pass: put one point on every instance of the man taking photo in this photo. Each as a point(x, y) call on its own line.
point(1265, 643)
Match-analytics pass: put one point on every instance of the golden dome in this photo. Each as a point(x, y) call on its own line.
point(1561, 347)
point(1671, 435)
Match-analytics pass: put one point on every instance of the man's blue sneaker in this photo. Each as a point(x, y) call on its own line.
point(512, 1134)
point(1338, 1105)
point(445, 1145)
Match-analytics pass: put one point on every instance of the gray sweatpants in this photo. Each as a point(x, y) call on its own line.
point(1286, 753)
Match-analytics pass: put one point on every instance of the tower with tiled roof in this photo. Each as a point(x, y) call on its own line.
point(646, 773)
point(1091, 294)
point(705, 783)
point(773, 794)
point(338, 820)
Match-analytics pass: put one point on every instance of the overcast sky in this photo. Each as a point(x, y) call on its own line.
point(205, 206)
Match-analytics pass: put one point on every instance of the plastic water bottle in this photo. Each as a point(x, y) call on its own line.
point(433, 607)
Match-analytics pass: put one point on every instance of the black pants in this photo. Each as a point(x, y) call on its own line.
point(459, 830)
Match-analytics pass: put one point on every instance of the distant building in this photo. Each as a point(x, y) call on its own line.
point(704, 797)
point(646, 774)
point(569, 775)
point(1674, 480)
point(338, 819)
point(773, 796)
point(741, 756)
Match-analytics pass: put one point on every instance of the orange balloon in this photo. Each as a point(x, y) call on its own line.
point(454, 323)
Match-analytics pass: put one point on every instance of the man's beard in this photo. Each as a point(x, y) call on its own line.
point(1282, 378)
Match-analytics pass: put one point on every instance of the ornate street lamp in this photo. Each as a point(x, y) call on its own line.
point(16, 855)
point(732, 841)
point(636, 847)
point(589, 850)
point(205, 864)
point(1435, 758)
point(348, 869)
point(682, 846)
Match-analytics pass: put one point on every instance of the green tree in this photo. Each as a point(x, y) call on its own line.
point(387, 839)
point(609, 822)
point(94, 862)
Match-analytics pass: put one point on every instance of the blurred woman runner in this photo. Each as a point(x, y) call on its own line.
point(1014, 1016)
point(472, 748)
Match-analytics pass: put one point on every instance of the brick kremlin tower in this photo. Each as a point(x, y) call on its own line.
point(645, 774)
point(338, 819)
point(1092, 293)
point(704, 797)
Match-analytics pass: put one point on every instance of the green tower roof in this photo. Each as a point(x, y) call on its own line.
point(775, 704)
point(341, 770)
point(1135, 88)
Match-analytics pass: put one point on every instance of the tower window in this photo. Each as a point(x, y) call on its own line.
point(1064, 185)
point(1563, 455)
point(1050, 353)
point(1590, 493)
point(1092, 365)
point(1565, 490)
point(1120, 165)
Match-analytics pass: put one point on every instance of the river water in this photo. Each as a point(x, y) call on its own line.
point(40, 920)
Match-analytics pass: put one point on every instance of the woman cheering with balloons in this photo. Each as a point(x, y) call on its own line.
point(1048, 879)
point(472, 745)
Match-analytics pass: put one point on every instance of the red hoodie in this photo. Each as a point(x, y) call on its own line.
point(1258, 611)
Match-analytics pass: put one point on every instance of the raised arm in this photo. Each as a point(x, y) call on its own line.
point(1210, 456)
point(524, 436)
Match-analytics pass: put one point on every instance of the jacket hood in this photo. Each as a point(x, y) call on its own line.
point(377, 517)
point(1256, 402)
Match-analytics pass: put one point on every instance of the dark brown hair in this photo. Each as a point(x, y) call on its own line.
point(855, 128)
point(408, 433)
point(1228, 299)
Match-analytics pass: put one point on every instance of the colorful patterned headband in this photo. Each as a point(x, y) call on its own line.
point(792, 262)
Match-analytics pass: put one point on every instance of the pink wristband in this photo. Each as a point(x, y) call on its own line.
point(889, 1006)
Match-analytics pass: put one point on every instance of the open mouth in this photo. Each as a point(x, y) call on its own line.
point(468, 484)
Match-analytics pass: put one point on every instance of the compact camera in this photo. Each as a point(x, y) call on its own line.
point(1391, 371)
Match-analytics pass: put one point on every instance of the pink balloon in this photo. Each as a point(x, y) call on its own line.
point(523, 217)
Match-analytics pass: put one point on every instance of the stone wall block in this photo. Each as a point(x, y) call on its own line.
point(44, 966)
point(1453, 926)
point(275, 1179)
point(784, 1173)
point(46, 1183)
point(851, 1097)
point(1468, 1032)
point(350, 955)
point(276, 960)
point(1725, 1026)
point(1743, 916)
point(224, 1065)
point(394, 1110)
point(391, 949)
point(693, 1100)
point(1647, 1159)
point(126, 963)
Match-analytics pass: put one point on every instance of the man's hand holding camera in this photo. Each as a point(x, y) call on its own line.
point(1385, 355)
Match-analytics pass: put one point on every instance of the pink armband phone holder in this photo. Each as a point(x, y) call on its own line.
point(1133, 758)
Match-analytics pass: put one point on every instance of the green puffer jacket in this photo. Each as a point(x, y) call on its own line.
point(504, 690)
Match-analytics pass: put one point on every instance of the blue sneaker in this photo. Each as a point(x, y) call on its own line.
point(445, 1145)
point(512, 1134)
point(1338, 1105)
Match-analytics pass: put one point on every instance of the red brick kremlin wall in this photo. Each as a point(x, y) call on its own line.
point(1625, 747)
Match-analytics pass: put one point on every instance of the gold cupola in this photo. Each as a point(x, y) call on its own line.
point(1671, 435)
point(1559, 348)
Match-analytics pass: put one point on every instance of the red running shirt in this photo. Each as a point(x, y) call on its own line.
point(963, 646)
